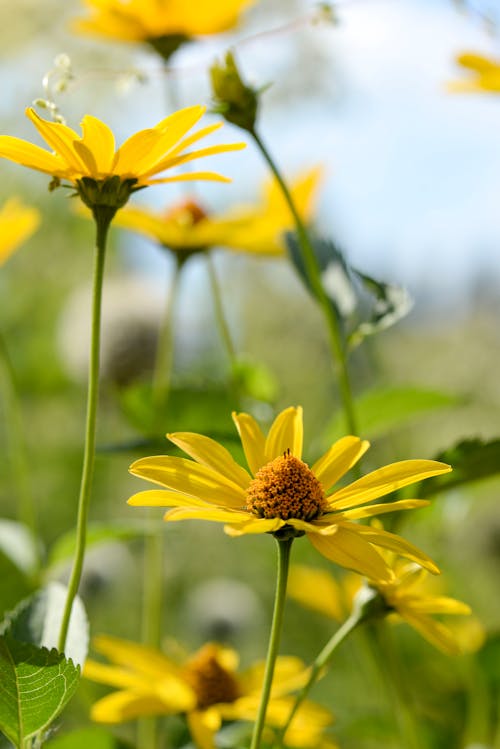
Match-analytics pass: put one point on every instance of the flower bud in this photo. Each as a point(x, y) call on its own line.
point(235, 101)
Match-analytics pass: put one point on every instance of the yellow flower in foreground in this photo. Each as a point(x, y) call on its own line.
point(409, 595)
point(259, 229)
point(103, 175)
point(282, 495)
point(17, 223)
point(207, 687)
point(484, 74)
point(158, 21)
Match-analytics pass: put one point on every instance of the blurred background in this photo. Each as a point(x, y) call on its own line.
point(410, 195)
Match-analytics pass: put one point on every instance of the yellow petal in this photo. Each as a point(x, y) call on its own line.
point(210, 453)
point(252, 439)
point(339, 459)
point(439, 605)
point(286, 433)
point(384, 481)
point(142, 658)
point(318, 590)
point(257, 525)
point(170, 161)
point(34, 157)
point(349, 550)
point(366, 512)
point(188, 177)
point(114, 676)
point(101, 142)
point(127, 705)
point(164, 498)
point(202, 730)
point(61, 138)
point(134, 153)
point(476, 62)
point(190, 478)
point(186, 142)
point(215, 514)
point(433, 631)
point(17, 223)
point(397, 544)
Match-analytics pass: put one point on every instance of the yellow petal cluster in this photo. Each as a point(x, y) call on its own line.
point(93, 155)
point(258, 229)
point(213, 486)
point(147, 683)
point(483, 74)
point(143, 20)
point(17, 223)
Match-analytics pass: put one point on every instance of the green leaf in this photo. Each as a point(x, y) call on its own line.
point(381, 410)
point(97, 533)
point(471, 460)
point(363, 306)
point(255, 380)
point(37, 620)
point(14, 584)
point(95, 737)
point(17, 542)
point(35, 685)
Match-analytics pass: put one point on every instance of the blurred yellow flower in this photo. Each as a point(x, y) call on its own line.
point(282, 495)
point(410, 595)
point(105, 176)
point(159, 22)
point(17, 223)
point(259, 229)
point(207, 687)
point(484, 74)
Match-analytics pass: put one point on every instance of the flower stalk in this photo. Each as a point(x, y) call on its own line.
point(284, 548)
point(103, 216)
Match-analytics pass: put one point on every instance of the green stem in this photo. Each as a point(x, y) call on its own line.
point(103, 221)
point(164, 354)
point(319, 664)
point(284, 547)
point(17, 444)
point(335, 336)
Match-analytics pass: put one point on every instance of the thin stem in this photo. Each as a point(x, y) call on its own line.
point(335, 336)
point(17, 443)
point(284, 547)
point(164, 355)
point(102, 225)
point(319, 664)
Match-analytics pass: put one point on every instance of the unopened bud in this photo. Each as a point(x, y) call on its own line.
point(234, 100)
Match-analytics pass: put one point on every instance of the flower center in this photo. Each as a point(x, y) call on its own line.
point(286, 488)
point(188, 213)
point(211, 682)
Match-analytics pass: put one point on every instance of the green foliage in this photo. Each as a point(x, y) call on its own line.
point(14, 584)
point(472, 460)
point(35, 685)
point(97, 738)
point(97, 533)
point(383, 409)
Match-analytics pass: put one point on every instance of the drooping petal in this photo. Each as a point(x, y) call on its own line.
point(252, 439)
point(210, 453)
point(255, 525)
point(190, 478)
point(395, 543)
point(316, 589)
point(433, 631)
point(384, 481)
point(349, 550)
point(215, 514)
point(203, 728)
point(339, 459)
point(368, 511)
point(34, 157)
point(286, 433)
point(438, 605)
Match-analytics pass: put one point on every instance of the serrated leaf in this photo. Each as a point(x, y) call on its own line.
point(97, 738)
point(37, 620)
point(363, 305)
point(35, 686)
point(97, 533)
point(381, 410)
point(471, 460)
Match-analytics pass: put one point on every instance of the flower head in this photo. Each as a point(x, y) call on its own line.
point(187, 228)
point(105, 176)
point(165, 24)
point(483, 74)
point(207, 687)
point(281, 494)
point(408, 596)
point(17, 223)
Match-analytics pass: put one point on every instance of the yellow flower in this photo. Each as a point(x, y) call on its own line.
point(282, 495)
point(186, 228)
point(159, 22)
point(105, 176)
point(409, 595)
point(17, 223)
point(484, 74)
point(207, 687)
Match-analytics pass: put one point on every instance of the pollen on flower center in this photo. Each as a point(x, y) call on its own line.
point(188, 213)
point(286, 488)
point(211, 682)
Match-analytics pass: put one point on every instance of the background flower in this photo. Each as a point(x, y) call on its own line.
point(17, 223)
